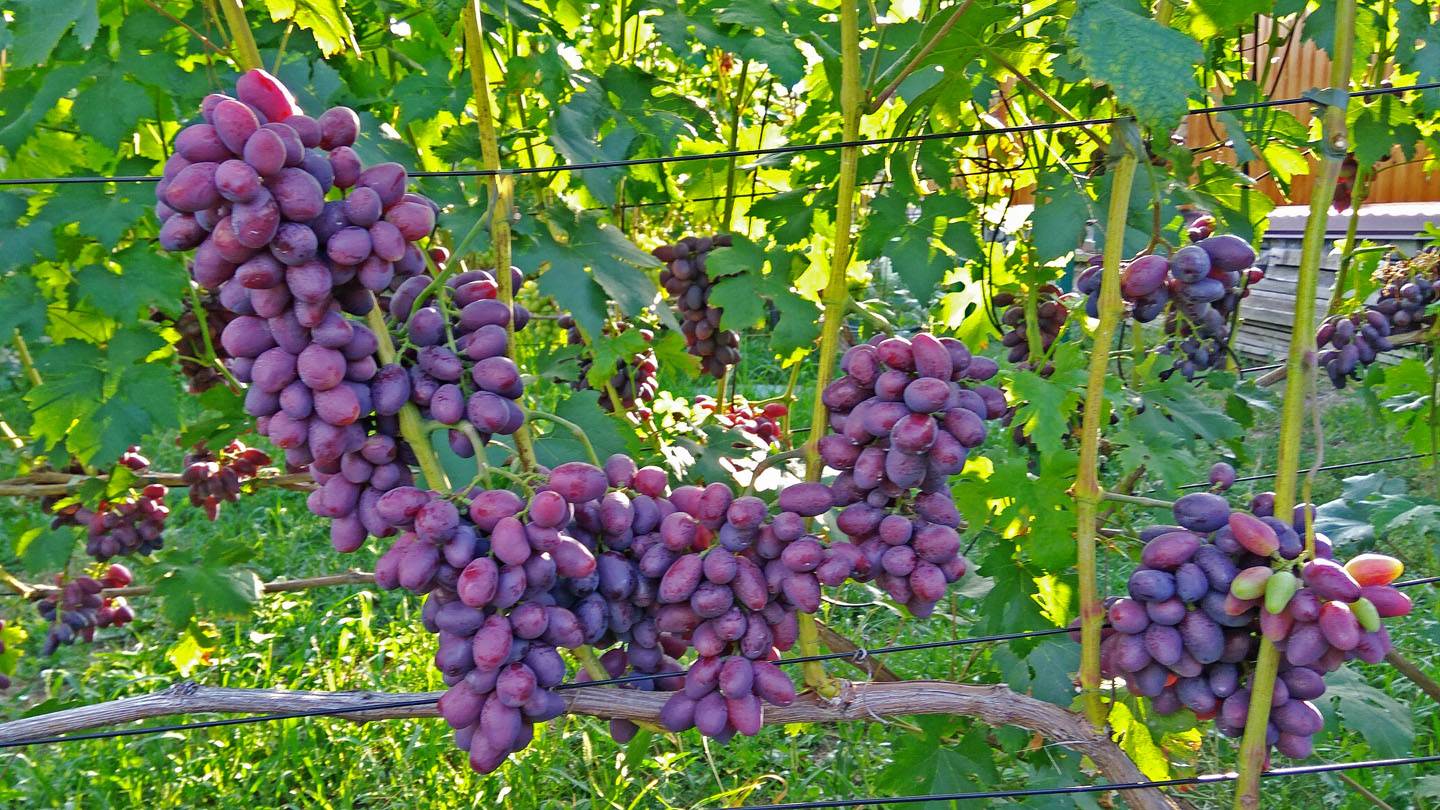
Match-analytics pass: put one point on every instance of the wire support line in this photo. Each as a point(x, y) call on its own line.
point(788, 149)
point(1206, 779)
point(858, 655)
point(1409, 583)
point(1326, 468)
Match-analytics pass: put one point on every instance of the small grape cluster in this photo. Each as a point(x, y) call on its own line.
point(903, 418)
point(78, 609)
point(634, 380)
point(1348, 343)
point(1197, 288)
point(192, 345)
point(760, 421)
point(685, 279)
point(1051, 313)
point(1208, 588)
point(456, 366)
point(131, 524)
point(214, 478)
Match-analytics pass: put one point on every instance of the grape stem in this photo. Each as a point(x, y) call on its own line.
point(1087, 491)
point(915, 61)
point(570, 426)
point(482, 469)
point(27, 361)
point(768, 462)
point(411, 428)
point(502, 192)
point(875, 319)
point(245, 52)
point(211, 359)
point(1298, 377)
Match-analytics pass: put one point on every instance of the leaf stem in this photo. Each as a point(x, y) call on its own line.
point(915, 61)
point(411, 428)
point(27, 361)
point(1087, 491)
point(204, 40)
point(1298, 378)
point(768, 462)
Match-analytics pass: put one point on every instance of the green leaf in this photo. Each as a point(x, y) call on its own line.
point(324, 19)
point(110, 212)
point(1385, 723)
point(110, 109)
point(28, 106)
point(11, 639)
point(39, 25)
point(1153, 73)
point(1211, 17)
point(559, 445)
point(1043, 404)
point(427, 92)
point(594, 261)
point(1058, 222)
point(42, 549)
point(926, 764)
point(189, 590)
point(1135, 740)
point(149, 279)
point(22, 307)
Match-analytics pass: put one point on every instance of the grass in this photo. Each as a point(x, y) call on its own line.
point(357, 638)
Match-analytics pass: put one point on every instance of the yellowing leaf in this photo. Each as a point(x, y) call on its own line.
point(324, 19)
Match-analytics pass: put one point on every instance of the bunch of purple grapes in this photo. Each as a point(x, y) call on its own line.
point(1209, 587)
point(1051, 314)
point(78, 609)
point(213, 478)
point(684, 277)
point(192, 344)
point(634, 380)
point(1197, 288)
point(1348, 343)
point(130, 524)
point(903, 418)
point(455, 363)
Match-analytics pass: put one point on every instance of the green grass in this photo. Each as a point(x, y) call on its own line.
point(356, 638)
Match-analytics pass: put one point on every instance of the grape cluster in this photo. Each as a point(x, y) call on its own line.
point(760, 421)
point(1347, 343)
point(131, 524)
point(903, 418)
point(634, 379)
point(685, 279)
point(192, 343)
point(78, 609)
point(1197, 289)
point(1208, 588)
point(214, 478)
point(608, 558)
point(1051, 314)
point(455, 365)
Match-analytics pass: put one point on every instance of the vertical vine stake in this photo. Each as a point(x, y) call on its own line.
point(1087, 491)
point(1299, 364)
point(836, 296)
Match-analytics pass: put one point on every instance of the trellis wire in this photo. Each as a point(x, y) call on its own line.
point(788, 149)
point(1326, 468)
point(1207, 779)
point(858, 655)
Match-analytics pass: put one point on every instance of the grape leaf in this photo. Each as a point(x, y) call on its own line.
point(1057, 223)
point(189, 590)
point(1153, 73)
point(1136, 741)
point(39, 25)
point(28, 105)
point(427, 92)
point(925, 764)
point(1209, 18)
point(582, 408)
point(109, 212)
point(1384, 722)
point(150, 279)
point(324, 19)
point(110, 109)
point(22, 306)
point(41, 548)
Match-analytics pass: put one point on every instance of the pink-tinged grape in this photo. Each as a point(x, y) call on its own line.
point(307, 129)
point(261, 272)
point(1374, 569)
point(363, 207)
point(806, 499)
point(1128, 616)
point(578, 482)
point(1169, 551)
point(200, 143)
point(321, 368)
point(1144, 276)
point(298, 194)
point(1250, 583)
point(385, 179)
point(346, 166)
point(1169, 611)
point(294, 149)
point(387, 241)
point(1201, 512)
point(338, 406)
point(349, 246)
point(193, 189)
point(182, 232)
point(266, 93)
point(745, 714)
point(1253, 533)
point(273, 370)
point(1339, 625)
point(1148, 585)
point(1388, 602)
point(234, 124)
point(414, 221)
point(246, 336)
point(1330, 581)
point(236, 181)
point(339, 126)
point(294, 243)
point(265, 152)
point(255, 222)
point(309, 283)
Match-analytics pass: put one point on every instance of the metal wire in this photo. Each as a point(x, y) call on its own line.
point(1207, 779)
point(1326, 468)
point(789, 149)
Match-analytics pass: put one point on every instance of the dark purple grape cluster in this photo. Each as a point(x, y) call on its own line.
point(613, 559)
point(191, 346)
point(213, 478)
point(634, 380)
point(132, 523)
point(685, 279)
point(904, 417)
point(1348, 343)
point(1208, 588)
point(1197, 289)
point(454, 363)
point(78, 609)
point(1051, 315)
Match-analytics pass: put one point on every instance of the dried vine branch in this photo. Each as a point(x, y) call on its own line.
point(992, 704)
